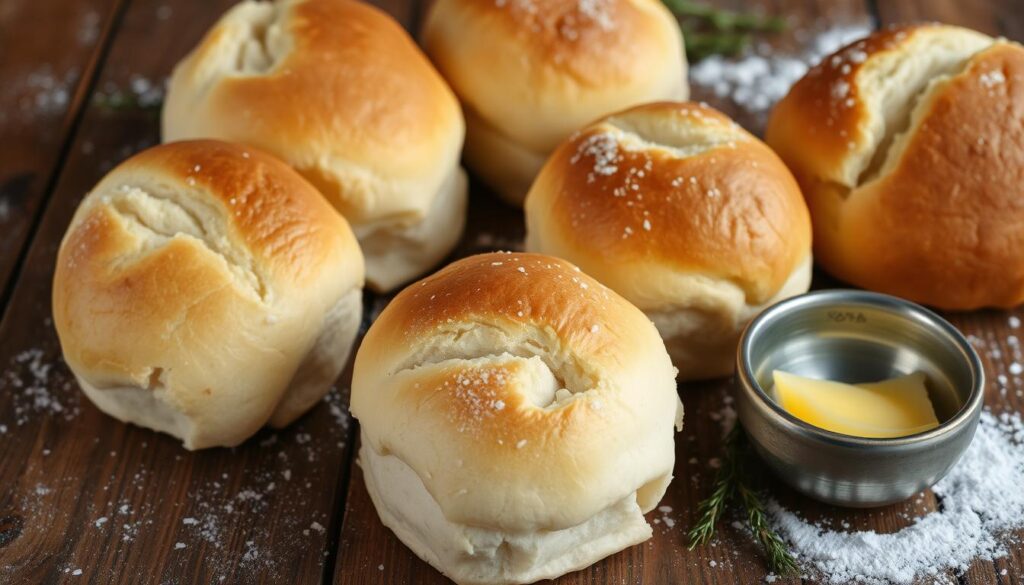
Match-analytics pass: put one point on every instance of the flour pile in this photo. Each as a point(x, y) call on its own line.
point(756, 81)
point(982, 502)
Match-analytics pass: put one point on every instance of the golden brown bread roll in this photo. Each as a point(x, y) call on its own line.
point(204, 289)
point(909, 147)
point(529, 72)
point(681, 211)
point(517, 419)
point(339, 91)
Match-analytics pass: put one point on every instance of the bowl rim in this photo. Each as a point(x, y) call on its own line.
point(907, 309)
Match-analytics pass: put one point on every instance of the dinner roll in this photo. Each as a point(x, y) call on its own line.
point(681, 211)
point(517, 419)
point(909, 147)
point(529, 72)
point(339, 91)
point(203, 290)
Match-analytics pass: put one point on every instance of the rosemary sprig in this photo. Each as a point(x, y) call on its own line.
point(730, 482)
point(726, 20)
point(712, 31)
point(780, 560)
point(702, 45)
point(713, 507)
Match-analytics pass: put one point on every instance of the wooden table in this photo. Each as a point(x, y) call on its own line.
point(84, 497)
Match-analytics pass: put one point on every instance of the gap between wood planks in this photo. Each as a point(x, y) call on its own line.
point(341, 499)
point(76, 112)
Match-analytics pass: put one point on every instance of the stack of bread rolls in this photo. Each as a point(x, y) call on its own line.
point(517, 411)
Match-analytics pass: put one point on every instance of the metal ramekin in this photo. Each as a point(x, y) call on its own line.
point(857, 336)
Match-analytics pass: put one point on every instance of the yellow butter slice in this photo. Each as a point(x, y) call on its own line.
point(887, 409)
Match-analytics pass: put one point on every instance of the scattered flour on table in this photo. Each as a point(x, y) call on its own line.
point(144, 91)
point(217, 510)
point(726, 416)
point(164, 11)
point(36, 389)
point(496, 243)
point(89, 29)
point(757, 80)
point(35, 92)
point(1006, 353)
point(982, 503)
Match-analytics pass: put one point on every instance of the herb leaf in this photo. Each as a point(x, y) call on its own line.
point(732, 481)
point(713, 31)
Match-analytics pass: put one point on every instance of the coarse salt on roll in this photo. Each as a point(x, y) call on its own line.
point(678, 209)
point(530, 72)
point(909, 147)
point(338, 90)
point(204, 290)
point(517, 419)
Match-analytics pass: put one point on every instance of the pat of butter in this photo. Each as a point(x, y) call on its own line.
point(887, 409)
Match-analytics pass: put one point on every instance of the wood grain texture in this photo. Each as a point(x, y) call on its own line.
point(82, 492)
point(1003, 18)
point(86, 497)
point(49, 52)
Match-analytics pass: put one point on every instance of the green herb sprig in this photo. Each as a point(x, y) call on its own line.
point(713, 31)
point(731, 482)
point(124, 101)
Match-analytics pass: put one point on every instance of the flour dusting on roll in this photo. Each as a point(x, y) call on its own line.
point(530, 72)
point(517, 419)
point(204, 290)
point(338, 90)
point(909, 147)
point(686, 215)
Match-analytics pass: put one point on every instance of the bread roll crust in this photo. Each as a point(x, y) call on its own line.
point(685, 214)
point(463, 377)
point(194, 279)
point(671, 188)
point(338, 90)
point(529, 72)
point(922, 201)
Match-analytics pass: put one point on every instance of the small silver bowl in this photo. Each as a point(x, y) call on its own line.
point(857, 336)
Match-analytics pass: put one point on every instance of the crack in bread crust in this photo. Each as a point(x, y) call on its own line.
point(896, 137)
point(157, 218)
point(685, 141)
point(453, 343)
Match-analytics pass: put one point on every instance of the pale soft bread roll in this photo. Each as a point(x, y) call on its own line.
point(203, 290)
point(339, 91)
point(681, 211)
point(517, 419)
point(530, 72)
point(909, 147)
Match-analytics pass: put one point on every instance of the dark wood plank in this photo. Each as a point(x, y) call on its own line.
point(82, 492)
point(370, 553)
point(48, 55)
point(85, 496)
point(1002, 18)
